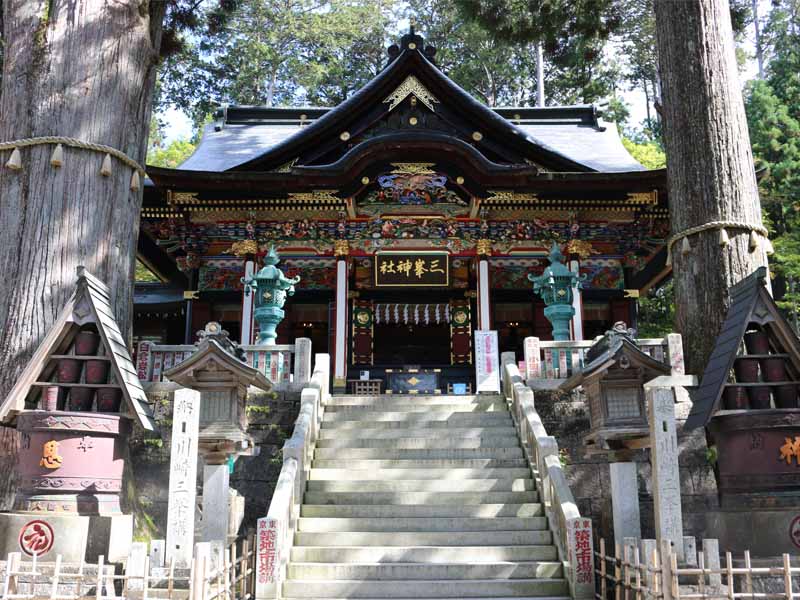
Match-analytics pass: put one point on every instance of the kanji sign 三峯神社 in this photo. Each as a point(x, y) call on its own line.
point(401, 269)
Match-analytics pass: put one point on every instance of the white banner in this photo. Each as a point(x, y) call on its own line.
point(487, 362)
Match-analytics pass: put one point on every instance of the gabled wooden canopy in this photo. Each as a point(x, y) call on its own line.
point(751, 305)
point(213, 367)
point(611, 356)
point(89, 304)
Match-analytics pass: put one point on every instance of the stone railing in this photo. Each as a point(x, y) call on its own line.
point(548, 363)
point(572, 533)
point(275, 532)
point(152, 360)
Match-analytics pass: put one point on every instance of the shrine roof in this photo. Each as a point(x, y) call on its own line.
point(244, 133)
point(409, 109)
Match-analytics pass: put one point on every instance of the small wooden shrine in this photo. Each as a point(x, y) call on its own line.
point(217, 370)
point(73, 406)
point(613, 379)
point(748, 396)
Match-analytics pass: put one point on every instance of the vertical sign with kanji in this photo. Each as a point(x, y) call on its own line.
point(267, 557)
point(533, 358)
point(183, 477)
point(143, 360)
point(581, 557)
point(487, 362)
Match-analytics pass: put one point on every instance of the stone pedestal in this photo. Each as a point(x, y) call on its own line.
point(74, 537)
point(216, 486)
point(625, 501)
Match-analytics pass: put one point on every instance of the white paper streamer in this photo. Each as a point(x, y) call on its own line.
point(446, 313)
point(427, 314)
point(377, 314)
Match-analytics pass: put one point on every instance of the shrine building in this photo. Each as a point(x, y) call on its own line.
point(413, 215)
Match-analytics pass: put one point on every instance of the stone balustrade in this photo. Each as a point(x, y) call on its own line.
point(275, 532)
point(287, 366)
point(571, 532)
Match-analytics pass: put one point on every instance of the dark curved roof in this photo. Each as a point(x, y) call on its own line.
point(249, 138)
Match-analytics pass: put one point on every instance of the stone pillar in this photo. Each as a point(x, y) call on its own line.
point(664, 459)
point(577, 304)
point(247, 306)
point(625, 501)
point(533, 358)
point(182, 477)
point(302, 360)
point(216, 487)
point(340, 336)
point(484, 303)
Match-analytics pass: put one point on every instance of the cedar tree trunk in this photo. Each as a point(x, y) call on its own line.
point(83, 69)
point(710, 169)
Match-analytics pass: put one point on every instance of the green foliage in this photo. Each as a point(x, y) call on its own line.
point(171, 155)
point(648, 153)
point(143, 274)
point(273, 53)
point(657, 312)
point(773, 114)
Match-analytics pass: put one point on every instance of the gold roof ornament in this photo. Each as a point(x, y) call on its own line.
point(483, 247)
point(243, 248)
point(510, 197)
point(582, 248)
point(647, 198)
point(341, 248)
point(319, 196)
point(413, 168)
point(411, 86)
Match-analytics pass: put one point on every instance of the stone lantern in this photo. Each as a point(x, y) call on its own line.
point(271, 287)
point(613, 379)
point(217, 370)
point(555, 287)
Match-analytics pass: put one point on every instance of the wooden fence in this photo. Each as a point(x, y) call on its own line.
point(631, 574)
point(231, 579)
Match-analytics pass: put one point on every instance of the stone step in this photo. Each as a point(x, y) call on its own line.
point(411, 443)
point(473, 408)
point(422, 524)
point(430, 400)
point(420, 453)
point(408, 413)
point(423, 538)
point(410, 571)
point(401, 474)
point(429, 498)
point(438, 588)
point(416, 432)
point(519, 484)
point(384, 511)
point(411, 463)
point(462, 420)
point(422, 554)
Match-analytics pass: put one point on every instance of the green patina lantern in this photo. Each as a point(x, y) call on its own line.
point(555, 287)
point(271, 287)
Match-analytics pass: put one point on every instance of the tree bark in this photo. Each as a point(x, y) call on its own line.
point(710, 169)
point(82, 69)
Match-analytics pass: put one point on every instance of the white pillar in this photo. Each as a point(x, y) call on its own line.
point(664, 459)
point(625, 501)
point(247, 307)
point(216, 486)
point(340, 338)
point(577, 304)
point(182, 477)
point(484, 303)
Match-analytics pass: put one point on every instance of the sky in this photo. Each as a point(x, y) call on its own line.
point(179, 126)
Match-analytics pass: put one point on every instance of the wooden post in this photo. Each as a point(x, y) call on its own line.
point(787, 577)
point(98, 591)
point(56, 573)
point(748, 578)
point(603, 569)
point(666, 570)
point(617, 572)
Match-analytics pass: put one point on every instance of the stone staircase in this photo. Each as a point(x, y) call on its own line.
point(421, 497)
